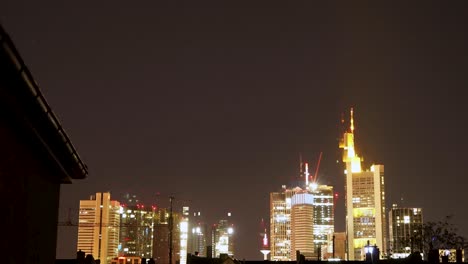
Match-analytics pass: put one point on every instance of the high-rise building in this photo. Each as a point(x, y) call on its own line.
point(197, 237)
point(184, 231)
point(302, 225)
point(365, 200)
point(405, 230)
point(161, 235)
point(223, 238)
point(323, 219)
point(136, 231)
point(98, 227)
point(313, 221)
point(280, 224)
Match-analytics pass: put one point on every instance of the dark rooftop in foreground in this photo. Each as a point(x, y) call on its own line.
point(36, 158)
point(26, 98)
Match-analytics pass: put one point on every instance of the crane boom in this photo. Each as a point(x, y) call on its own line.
point(318, 165)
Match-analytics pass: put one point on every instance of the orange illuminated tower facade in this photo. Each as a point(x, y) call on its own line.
point(98, 227)
point(365, 200)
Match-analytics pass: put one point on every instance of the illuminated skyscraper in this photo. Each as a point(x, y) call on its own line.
point(98, 227)
point(313, 220)
point(161, 236)
point(280, 224)
point(405, 230)
point(323, 219)
point(223, 238)
point(302, 217)
point(197, 238)
point(183, 229)
point(365, 200)
point(136, 231)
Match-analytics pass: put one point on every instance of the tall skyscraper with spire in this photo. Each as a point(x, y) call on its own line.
point(365, 200)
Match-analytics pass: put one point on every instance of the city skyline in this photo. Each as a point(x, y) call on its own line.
point(213, 105)
point(110, 229)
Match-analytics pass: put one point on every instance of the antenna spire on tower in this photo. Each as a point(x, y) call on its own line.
point(352, 121)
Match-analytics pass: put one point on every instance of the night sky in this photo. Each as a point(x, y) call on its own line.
point(213, 103)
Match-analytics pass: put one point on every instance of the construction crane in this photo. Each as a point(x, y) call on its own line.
point(317, 168)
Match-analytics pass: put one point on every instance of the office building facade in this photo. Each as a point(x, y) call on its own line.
point(280, 224)
point(324, 216)
point(166, 236)
point(319, 210)
point(98, 227)
point(302, 225)
point(184, 235)
point(365, 200)
point(223, 239)
point(197, 238)
point(405, 230)
point(136, 231)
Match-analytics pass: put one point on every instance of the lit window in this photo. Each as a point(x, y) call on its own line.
point(406, 219)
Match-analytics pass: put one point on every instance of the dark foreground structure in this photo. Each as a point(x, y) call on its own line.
point(36, 156)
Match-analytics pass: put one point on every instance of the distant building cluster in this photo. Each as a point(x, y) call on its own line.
point(126, 231)
point(301, 226)
point(302, 217)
